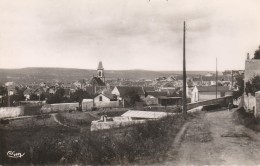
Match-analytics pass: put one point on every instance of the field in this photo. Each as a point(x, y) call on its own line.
point(44, 141)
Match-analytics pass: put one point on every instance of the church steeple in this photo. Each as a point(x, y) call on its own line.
point(100, 71)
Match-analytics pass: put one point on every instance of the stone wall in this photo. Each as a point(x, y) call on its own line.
point(112, 104)
point(95, 125)
point(61, 107)
point(257, 101)
point(10, 112)
point(223, 101)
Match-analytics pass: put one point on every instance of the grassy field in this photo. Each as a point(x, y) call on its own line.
point(46, 142)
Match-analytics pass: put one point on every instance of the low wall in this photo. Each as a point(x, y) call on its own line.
point(257, 101)
point(113, 124)
point(9, 112)
point(111, 104)
point(223, 101)
point(61, 107)
point(86, 106)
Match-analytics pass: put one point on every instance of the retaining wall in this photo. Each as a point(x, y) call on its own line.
point(9, 112)
point(61, 107)
point(257, 101)
point(223, 101)
point(114, 124)
point(111, 104)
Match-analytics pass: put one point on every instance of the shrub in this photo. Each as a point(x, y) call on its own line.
point(211, 107)
point(253, 85)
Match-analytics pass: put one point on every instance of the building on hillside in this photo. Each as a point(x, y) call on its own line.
point(27, 93)
point(251, 101)
point(169, 101)
point(152, 97)
point(201, 93)
point(252, 68)
point(123, 91)
point(106, 101)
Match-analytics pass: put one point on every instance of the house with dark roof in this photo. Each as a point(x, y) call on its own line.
point(151, 97)
point(202, 93)
point(123, 91)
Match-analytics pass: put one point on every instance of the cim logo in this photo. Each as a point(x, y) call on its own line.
point(13, 154)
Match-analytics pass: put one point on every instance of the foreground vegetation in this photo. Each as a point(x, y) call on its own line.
point(55, 144)
point(247, 119)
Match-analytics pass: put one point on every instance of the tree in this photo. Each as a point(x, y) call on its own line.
point(19, 95)
point(79, 95)
point(132, 96)
point(253, 85)
point(3, 93)
point(240, 85)
point(34, 97)
point(257, 54)
point(58, 97)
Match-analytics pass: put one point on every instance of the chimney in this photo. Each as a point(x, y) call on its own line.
point(248, 56)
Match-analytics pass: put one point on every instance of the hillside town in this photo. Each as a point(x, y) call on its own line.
point(165, 90)
point(129, 82)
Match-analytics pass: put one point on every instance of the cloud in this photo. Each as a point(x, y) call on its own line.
point(127, 34)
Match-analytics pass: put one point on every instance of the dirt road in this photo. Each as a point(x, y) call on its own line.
point(214, 138)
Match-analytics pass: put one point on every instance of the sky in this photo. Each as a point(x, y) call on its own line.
point(128, 34)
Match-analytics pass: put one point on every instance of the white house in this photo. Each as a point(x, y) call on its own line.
point(102, 101)
point(201, 93)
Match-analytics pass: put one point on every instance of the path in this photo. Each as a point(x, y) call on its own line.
point(57, 121)
point(214, 138)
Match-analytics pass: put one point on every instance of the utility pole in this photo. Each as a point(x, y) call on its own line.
point(184, 105)
point(231, 79)
point(216, 78)
point(8, 97)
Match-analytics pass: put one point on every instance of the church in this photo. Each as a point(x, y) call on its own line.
point(98, 83)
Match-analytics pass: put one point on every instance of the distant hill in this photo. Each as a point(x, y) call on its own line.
point(28, 75)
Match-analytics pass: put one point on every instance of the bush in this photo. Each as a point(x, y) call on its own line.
point(211, 107)
point(138, 144)
point(253, 85)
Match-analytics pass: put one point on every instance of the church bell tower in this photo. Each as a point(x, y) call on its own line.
point(100, 71)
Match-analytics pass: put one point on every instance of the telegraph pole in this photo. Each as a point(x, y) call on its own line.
point(216, 78)
point(184, 105)
point(231, 79)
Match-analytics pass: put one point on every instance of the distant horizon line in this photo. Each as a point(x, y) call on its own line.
point(112, 69)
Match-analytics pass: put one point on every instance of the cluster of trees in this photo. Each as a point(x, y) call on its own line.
point(59, 96)
point(253, 85)
point(240, 86)
point(257, 54)
point(5, 99)
point(132, 97)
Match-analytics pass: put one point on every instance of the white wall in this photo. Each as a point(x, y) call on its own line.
point(115, 91)
point(252, 67)
point(61, 107)
point(105, 102)
point(8, 112)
